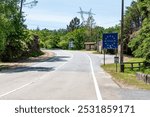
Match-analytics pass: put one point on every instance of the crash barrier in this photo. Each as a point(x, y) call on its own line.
point(143, 77)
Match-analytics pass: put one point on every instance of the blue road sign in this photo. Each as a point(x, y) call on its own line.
point(110, 41)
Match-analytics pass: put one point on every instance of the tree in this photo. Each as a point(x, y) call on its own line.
point(16, 39)
point(78, 36)
point(3, 28)
point(144, 6)
point(15, 44)
point(74, 24)
point(133, 22)
point(140, 45)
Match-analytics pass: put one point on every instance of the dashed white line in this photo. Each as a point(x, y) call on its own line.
point(15, 89)
point(33, 81)
point(65, 62)
point(99, 97)
point(58, 67)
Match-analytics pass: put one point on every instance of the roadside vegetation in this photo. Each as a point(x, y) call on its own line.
point(17, 41)
point(128, 78)
point(74, 32)
point(136, 44)
point(136, 32)
point(137, 29)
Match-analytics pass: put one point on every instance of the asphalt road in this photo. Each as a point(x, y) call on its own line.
point(70, 75)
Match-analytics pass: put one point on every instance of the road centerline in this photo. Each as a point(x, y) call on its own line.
point(15, 90)
point(42, 77)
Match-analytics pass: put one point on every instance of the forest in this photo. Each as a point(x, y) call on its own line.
point(17, 41)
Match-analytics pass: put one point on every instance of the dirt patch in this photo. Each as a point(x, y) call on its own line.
point(27, 62)
point(126, 58)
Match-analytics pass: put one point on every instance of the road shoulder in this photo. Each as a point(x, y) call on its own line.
point(27, 62)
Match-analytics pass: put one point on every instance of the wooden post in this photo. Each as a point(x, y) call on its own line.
point(131, 66)
point(116, 62)
point(139, 66)
point(21, 5)
point(121, 38)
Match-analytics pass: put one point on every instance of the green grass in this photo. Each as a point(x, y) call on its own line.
point(128, 77)
point(36, 54)
point(95, 52)
point(136, 60)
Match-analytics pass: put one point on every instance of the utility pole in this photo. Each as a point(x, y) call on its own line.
point(21, 5)
point(121, 38)
point(29, 4)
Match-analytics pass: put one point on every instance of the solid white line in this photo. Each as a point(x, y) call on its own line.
point(15, 89)
point(99, 97)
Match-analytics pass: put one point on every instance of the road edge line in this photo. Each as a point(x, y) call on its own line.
point(99, 97)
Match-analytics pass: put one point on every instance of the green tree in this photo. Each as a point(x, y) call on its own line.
point(78, 36)
point(49, 38)
point(133, 22)
point(15, 39)
point(3, 29)
point(144, 6)
point(140, 43)
point(74, 24)
point(15, 43)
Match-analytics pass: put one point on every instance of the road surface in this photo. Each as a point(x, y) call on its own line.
point(70, 75)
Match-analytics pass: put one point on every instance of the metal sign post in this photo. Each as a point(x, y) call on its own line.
point(104, 57)
point(116, 60)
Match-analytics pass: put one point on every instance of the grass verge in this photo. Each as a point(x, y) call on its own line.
point(127, 78)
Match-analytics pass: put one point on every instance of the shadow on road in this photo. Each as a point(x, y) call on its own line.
point(59, 59)
point(29, 69)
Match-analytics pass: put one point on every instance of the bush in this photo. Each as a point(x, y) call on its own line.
point(140, 45)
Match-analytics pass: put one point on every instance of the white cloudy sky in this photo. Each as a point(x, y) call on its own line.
point(55, 14)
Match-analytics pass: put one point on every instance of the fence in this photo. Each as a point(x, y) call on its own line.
point(133, 65)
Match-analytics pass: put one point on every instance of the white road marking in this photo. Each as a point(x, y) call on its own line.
point(35, 80)
point(99, 97)
point(57, 67)
point(65, 62)
point(15, 89)
point(47, 74)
